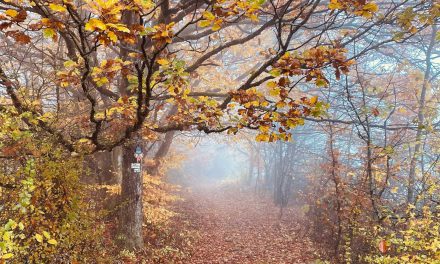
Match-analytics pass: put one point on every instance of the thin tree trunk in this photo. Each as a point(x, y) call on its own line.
point(335, 178)
point(420, 119)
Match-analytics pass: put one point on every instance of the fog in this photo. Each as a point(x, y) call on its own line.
point(209, 160)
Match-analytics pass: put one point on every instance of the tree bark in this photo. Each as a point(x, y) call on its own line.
point(131, 213)
point(336, 180)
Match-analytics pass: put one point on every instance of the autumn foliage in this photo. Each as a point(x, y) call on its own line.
point(334, 103)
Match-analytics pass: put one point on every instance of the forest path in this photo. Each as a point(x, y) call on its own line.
point(238, 226)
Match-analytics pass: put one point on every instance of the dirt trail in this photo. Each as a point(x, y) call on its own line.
point(237, 226)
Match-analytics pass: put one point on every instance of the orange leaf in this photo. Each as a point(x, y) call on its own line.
point(383, 247)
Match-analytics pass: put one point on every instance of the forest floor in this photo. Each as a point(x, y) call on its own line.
point(236, 226)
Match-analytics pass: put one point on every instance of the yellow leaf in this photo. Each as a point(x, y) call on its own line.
point(7, 256)
point(39, 238)
point(6, 237)
point(280, 104)
point(83, 140)
point(57, 8)
point(101, 81)
point(274, 92)
point(275, 72)
point(11, 12)
point(264, 129)
point(112, 36)
point(46, 234)
point(334, 4)
point(119, 27)
point(262, 137)
point(69, 63)
point(163, 62)
point(272, 84)
point(363, 13)
point(89, 27)
point(52, 242)
point(49, 32)
point(372, 7)
point(254, 18)
point(204, 23)
point(94, 24)
point(208, 15)
point(313, 100)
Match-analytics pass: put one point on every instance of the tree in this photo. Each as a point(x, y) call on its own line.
point(118, 68)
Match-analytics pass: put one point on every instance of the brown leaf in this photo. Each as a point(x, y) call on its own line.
point(19, 37)
point(375, 111)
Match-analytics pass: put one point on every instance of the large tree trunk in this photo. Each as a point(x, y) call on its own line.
point(131, 213)
point(131, 217)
